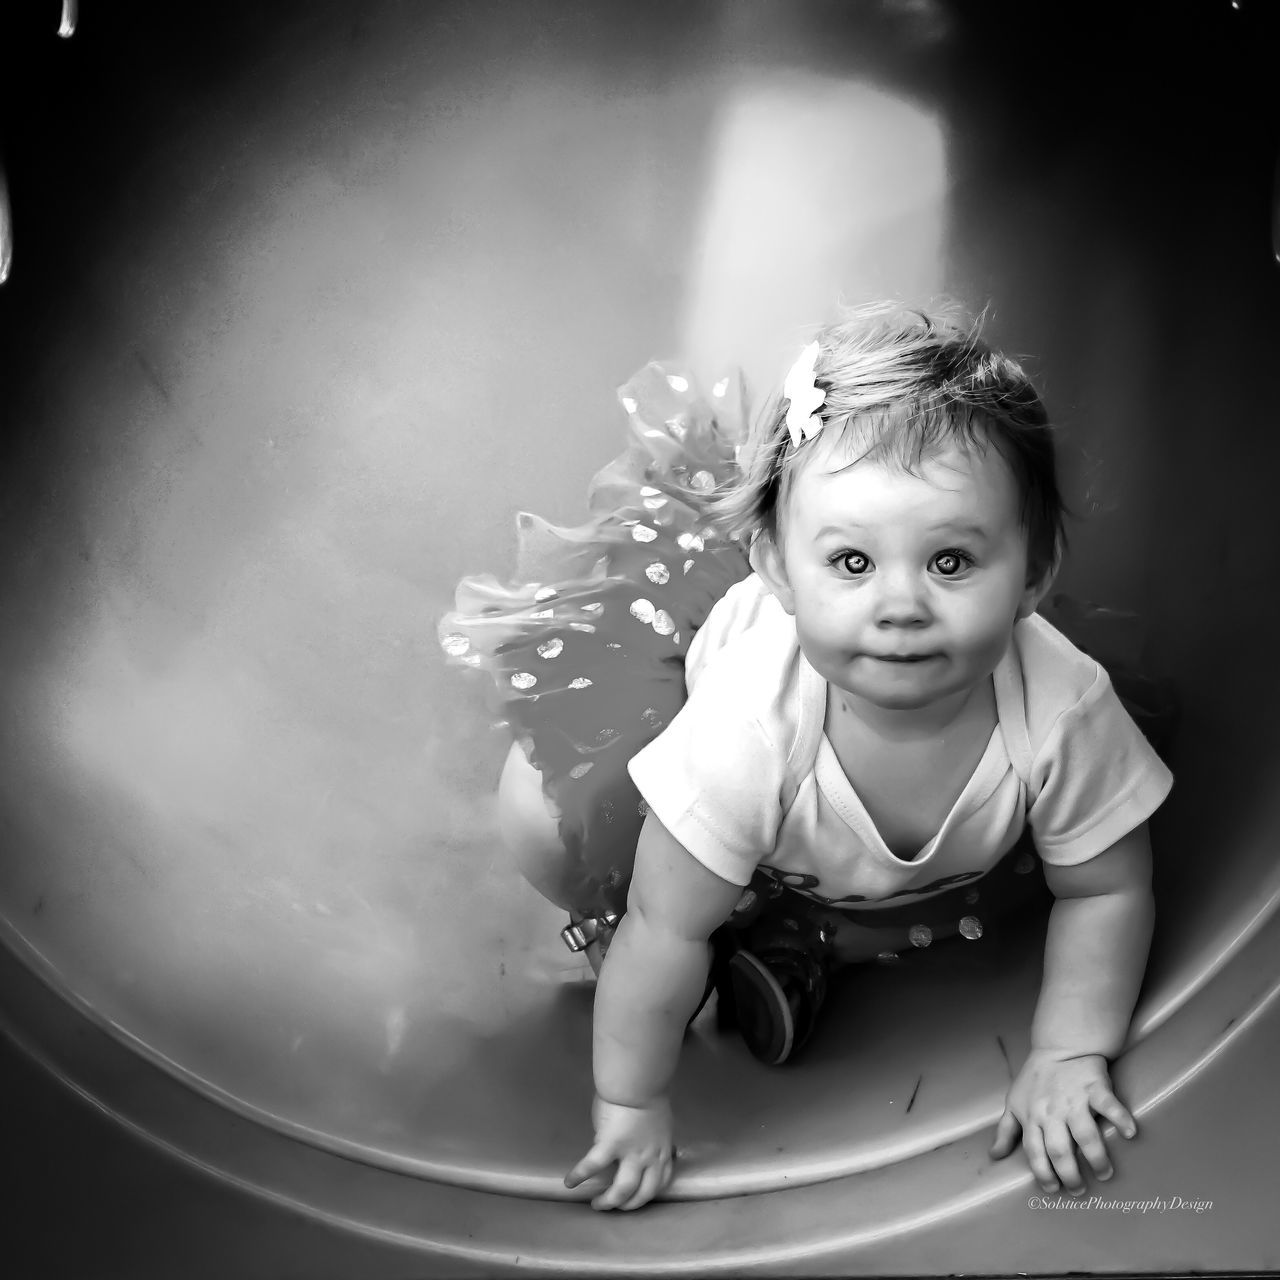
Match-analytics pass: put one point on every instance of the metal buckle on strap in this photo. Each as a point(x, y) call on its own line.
point(579, 934)
point(574, 936)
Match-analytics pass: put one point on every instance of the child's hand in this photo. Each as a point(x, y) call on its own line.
point(1053, 1102)
point(638, 1141)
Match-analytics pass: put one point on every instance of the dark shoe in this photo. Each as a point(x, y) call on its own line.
point(776, 994)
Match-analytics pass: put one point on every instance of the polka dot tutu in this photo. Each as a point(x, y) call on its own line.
point(585, 650)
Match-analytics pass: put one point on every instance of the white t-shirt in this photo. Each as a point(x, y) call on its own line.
point(744, 775)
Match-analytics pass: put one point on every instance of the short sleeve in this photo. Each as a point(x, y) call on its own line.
point(1098, 778)
point(740, 608)
point(715, 780)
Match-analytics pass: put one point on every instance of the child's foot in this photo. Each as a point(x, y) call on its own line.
point(776, 992)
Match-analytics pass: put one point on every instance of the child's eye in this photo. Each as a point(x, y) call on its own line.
point(852, 562)
point(950, 563)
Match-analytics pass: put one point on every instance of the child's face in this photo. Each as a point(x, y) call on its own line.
point(905, 589)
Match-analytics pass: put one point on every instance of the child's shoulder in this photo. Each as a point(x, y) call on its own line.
point(1057, 677)
point(749, 669)
point(758, 659)
point(747, 608)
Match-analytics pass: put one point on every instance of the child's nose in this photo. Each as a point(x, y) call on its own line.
point(902, 600)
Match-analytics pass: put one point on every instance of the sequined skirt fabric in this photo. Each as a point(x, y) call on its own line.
point(585, 650)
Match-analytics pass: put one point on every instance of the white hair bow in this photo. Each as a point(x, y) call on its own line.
point(802, 418)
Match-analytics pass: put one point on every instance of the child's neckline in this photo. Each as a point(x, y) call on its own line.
point(851, 803)
point(908, 792)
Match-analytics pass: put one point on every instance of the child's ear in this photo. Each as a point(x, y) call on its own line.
point(1036, 590)
point(766, 560)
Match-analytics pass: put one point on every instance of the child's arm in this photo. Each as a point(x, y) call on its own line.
point(653, 977)
point(1095, 957)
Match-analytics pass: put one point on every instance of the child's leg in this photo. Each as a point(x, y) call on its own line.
point(781, 946)
point(530, 829)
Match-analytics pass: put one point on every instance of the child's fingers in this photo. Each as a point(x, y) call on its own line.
point(654, 1179)
point(625, 1184)
point(1038, 1159)
point(1006, 1136)
point(1062, 1151)
point(1105, 1103)
point(596, 1161)
point(1089, 1139)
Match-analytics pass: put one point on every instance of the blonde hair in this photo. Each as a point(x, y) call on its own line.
point(901, 384)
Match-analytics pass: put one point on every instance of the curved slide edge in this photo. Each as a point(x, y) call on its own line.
point(738, 1234)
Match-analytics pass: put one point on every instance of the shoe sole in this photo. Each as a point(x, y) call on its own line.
point(752, 979)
